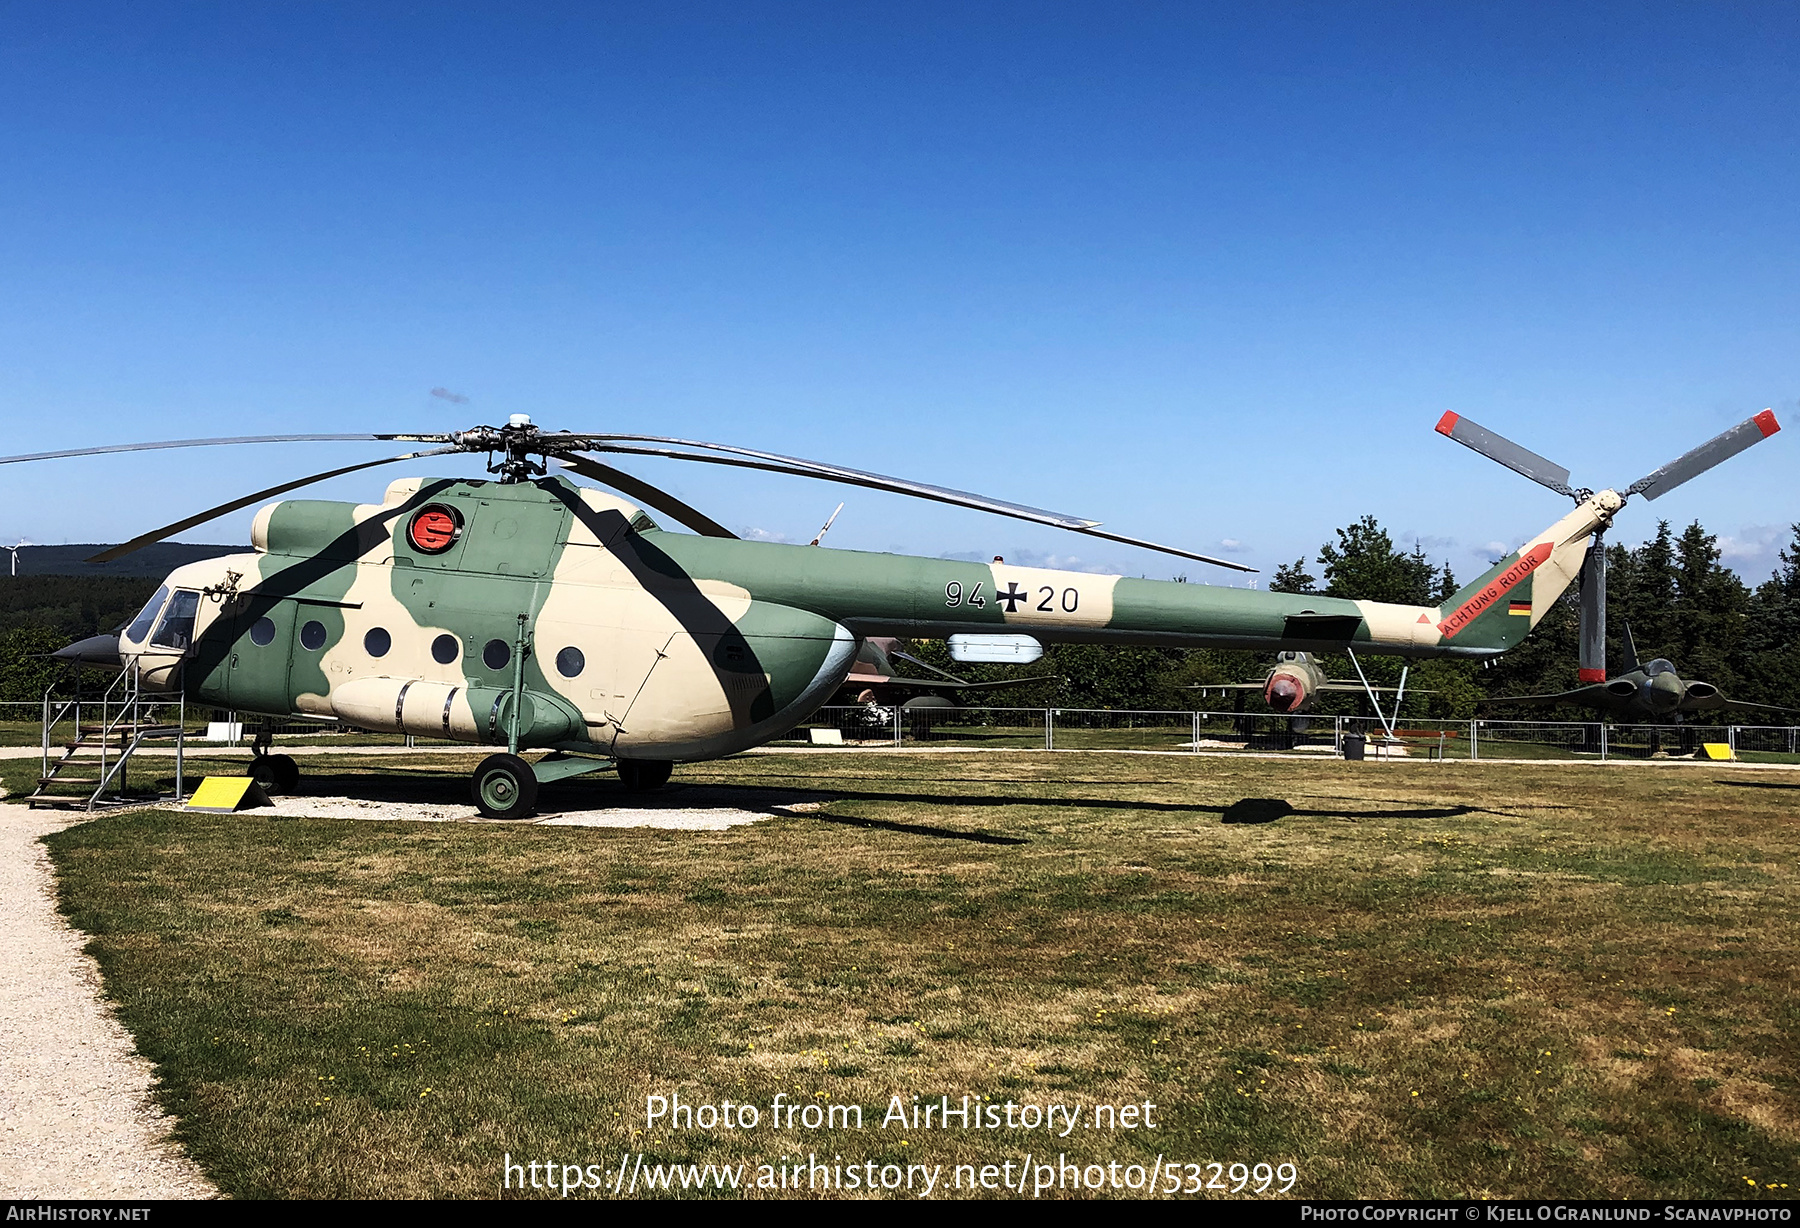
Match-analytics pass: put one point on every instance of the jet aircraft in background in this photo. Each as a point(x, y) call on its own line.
point(1292, 685)
point(873, 679)
point(1650, 691)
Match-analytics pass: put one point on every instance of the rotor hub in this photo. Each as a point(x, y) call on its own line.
point(516, 443)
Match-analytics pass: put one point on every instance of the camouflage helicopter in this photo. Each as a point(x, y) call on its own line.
point(530, 612)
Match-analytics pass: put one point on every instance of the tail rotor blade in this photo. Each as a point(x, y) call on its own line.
point(1693, 464)
point(1593, 612)
point(1499, 448)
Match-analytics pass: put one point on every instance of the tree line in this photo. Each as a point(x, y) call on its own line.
point(1674, 593)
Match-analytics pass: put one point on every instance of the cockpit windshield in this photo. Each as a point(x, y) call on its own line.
point(1659, 666)
point(140, 626)
point(176, 630)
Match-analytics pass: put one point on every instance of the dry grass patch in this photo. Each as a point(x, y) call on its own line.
point(1407, 979)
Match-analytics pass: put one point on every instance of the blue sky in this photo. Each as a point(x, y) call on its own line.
point(1208, 274)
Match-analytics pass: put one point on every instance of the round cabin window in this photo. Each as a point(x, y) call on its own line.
point(496, 654)
point(570, 662)
point(312, 635)
point(443, 649)
point(262, 632)
point(377, 642)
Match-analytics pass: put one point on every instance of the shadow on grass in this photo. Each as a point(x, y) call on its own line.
point(915, 829)
point(424, 785)
point(1756, 784)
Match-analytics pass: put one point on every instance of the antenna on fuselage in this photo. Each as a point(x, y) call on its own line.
point(829, 521)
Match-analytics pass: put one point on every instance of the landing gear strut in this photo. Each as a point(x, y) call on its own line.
point(272, 773)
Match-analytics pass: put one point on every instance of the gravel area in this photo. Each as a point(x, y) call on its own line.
point(676, 808)
point(76, 1118)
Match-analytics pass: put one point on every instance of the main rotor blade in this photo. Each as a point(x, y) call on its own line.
point(650, 496)
point(211, 513)
point(213, 443)
point(1693, 464)
point(837, 473)
point(1499, 448)
point(744, 458)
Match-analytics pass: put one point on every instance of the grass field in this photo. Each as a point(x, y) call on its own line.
point(1435, 980)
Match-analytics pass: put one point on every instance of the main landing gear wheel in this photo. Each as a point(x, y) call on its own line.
point(275, 773)
point(643, 775)
point(505, 787)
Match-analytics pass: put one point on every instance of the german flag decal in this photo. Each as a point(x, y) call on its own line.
point(1495, 589)
point(1519, 607)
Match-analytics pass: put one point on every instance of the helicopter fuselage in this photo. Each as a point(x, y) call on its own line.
point(545, 614)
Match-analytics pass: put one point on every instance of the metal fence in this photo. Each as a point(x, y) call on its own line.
point(872, 725)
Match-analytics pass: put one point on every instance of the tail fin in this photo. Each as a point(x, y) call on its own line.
point(1631, 652)
point(1498, 609)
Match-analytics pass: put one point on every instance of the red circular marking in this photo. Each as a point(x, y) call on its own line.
point(432, 530)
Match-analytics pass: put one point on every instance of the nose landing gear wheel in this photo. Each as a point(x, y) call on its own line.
point(504, 787)
point(643, 775)
point(275, 773)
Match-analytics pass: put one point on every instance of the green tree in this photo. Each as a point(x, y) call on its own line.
point(1293, 578)
point(1365, 566)
point(26, 668)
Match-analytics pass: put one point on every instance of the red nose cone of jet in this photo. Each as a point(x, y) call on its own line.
point(1284, 694)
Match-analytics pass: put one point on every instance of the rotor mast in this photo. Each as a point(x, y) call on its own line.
point(516, 442)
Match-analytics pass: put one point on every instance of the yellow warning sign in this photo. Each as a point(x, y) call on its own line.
point(227, 795)
point(1718, 750)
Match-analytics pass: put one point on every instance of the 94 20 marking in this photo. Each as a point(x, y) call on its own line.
point(1046, 600)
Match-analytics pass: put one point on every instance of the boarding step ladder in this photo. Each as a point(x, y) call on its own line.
point(97, 739)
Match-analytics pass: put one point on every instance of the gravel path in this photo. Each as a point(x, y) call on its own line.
point(76, 1118)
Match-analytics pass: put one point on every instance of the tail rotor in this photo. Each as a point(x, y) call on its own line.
point(1544, 472)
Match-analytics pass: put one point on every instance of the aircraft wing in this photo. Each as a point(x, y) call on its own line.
point(1719, 701)
point(1595, 696)
point(1333, 685)
point(940, 684)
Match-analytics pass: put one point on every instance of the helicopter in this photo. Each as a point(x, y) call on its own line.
point(529, 612)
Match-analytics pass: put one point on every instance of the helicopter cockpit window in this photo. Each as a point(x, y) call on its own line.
point(140, 626)
point(176, 630)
